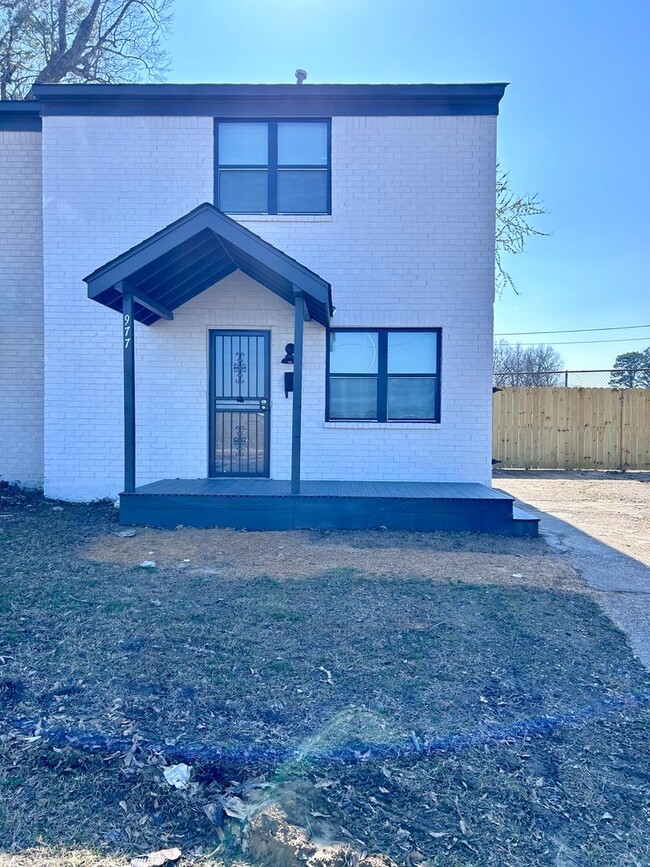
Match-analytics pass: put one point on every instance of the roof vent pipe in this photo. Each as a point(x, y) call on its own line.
point(301, 75)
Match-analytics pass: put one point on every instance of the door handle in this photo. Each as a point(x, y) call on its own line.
point(263, 405)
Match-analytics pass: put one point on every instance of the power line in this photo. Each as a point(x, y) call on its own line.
point(574, 342)
point(569, 331)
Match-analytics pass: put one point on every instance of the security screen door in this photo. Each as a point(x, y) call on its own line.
point(239, 403)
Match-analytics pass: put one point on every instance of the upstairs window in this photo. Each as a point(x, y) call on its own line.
point(274, 167)
point(384, 375)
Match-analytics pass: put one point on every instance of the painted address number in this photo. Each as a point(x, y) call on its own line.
point(127, 330)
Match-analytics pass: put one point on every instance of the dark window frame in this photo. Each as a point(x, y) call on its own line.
point(382, 376)
point(272, 167)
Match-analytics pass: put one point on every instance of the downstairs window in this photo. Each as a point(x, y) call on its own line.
point(383, 375)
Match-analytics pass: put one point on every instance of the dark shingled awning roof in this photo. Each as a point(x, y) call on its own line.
point(193, 253)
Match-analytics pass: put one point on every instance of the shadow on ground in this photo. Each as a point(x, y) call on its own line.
point(604, 536)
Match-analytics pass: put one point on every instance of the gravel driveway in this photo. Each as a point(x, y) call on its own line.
point(602, 522)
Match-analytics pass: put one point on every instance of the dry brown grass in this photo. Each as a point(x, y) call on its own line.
point(313, 643)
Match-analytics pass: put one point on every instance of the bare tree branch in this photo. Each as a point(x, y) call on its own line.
point(514, 226)
point(526, 366)
point(105, 41)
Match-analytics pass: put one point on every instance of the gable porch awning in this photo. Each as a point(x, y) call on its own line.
point(193, 253)
point(159, 275)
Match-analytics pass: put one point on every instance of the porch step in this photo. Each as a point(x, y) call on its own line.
point(524, 523)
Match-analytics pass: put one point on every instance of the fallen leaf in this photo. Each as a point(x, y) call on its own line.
point(234, 807)
point(214, 812)
point(328, 675)
point(178, 776)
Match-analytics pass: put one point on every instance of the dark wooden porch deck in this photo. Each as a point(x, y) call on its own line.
point(268, 504)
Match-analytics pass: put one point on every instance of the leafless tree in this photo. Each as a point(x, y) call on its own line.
point(514, 225)
point(87, 41)
point(526, 366)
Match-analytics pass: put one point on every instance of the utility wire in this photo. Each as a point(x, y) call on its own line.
point(574, 342)
point(569, 331)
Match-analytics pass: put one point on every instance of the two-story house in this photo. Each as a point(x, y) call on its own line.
point(252, 305)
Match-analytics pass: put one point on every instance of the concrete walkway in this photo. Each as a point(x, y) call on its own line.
point(621, 580)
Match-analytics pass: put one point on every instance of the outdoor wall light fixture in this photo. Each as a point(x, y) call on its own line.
point(289, 350)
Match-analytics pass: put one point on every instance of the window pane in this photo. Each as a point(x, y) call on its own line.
point(353, 397)
point(243, 191)
point(302, 191)
point(412, 351)
point(243, 144)
point(410, 397)
point(302, 144)
point(353, 352)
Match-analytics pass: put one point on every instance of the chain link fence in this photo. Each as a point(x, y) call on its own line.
point(639, 378)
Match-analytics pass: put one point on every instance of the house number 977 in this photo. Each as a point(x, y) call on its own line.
point(127, 330)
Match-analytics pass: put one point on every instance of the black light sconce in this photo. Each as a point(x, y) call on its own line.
point(288, 376)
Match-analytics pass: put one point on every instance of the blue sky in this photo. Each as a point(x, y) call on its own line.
point(574, 124)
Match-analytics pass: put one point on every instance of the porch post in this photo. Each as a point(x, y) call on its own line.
point(296, 426)
point(129, 391)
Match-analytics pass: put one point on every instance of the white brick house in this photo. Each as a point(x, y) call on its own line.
point(383, 198)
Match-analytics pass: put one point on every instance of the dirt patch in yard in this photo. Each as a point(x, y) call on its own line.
point(611, 507)
point(290, 556)
point(395, 685)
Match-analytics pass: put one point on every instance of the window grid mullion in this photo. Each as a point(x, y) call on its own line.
point(382, 375)
point(273, 167)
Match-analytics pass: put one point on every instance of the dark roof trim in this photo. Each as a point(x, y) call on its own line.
point(243, 248)
point(270, 100)
point(23, 116)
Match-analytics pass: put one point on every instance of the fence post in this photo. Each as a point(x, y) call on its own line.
point(621, 428)
point(566, 378)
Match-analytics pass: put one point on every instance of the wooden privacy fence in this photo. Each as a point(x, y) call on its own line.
point(572, 428)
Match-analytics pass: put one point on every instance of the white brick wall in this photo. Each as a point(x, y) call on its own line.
point(409, 243)
point(21, 309)
point(107, 184)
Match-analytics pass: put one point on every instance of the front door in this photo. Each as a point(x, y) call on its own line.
point(239, 403)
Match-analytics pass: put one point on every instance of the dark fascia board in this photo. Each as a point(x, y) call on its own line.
point(202, 217)
point(19, 115)
point(270, 100)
